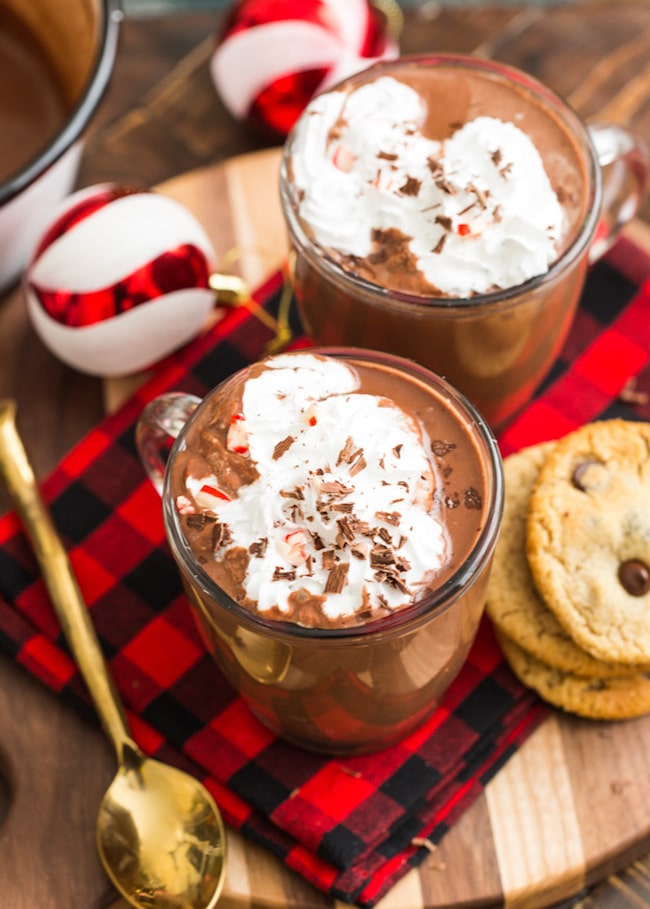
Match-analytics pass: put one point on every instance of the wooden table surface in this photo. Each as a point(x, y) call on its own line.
point(162, 117)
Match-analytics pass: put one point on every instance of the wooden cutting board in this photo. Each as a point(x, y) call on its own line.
point(568, 809)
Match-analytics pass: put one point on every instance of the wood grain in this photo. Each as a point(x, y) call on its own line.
point(546, 830)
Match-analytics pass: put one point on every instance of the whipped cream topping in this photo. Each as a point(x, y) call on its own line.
point(478, 208)
point(343, 510)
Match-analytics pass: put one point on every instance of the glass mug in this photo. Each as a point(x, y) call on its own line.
point(496, 347)
point(341, 690)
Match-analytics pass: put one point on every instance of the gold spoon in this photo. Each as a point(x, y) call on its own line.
point(159, 832)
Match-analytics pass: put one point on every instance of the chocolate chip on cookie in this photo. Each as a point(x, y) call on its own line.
point(588, 538)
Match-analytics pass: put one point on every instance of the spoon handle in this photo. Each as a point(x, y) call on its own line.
point(60, 580)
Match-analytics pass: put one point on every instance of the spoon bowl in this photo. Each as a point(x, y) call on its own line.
point(145, 850)
point(160, 835)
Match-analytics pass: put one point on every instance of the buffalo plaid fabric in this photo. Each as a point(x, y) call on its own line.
point(353, 826)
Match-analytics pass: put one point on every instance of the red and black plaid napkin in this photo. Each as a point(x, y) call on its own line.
point(353, 826)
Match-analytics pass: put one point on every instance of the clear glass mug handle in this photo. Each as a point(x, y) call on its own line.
point(158, 426)
point(625, 164)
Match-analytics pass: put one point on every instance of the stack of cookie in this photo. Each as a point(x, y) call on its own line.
point(569, 594)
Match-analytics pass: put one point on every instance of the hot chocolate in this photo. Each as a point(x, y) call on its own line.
point(33, 103)
point(333, 516)
point(437, 183)
point(440, 209)
point(308, 495)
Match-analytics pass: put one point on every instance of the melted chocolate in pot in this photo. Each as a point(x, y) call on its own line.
point(32, 103)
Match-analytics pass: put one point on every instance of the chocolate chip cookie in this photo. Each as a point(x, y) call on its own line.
point(513, 603)
point(615, 698)
point(588, 538)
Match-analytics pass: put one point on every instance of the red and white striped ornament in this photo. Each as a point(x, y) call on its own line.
point(273, 56)
point(119, 279)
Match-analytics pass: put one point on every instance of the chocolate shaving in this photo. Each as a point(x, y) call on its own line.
point(397, 450)
point(387, 156)
point(434, 166)
point(295, 493)
point(411, 187)
point(317, 541)
point(359, 465)
point(328, 559)
point(283, 446)
point(361, 527)
point(384, 535)
point(347, 453)
point(390, 517)
point(345, 529)
point(473, 499)
point(480, 195)
point(445, 186)
point(284, 574)
point(444, 221)
point(440, 448)
point(197, 521)
point(380, 556)
point(335, 488)
point(497, 157)
point(392, 579)
point(258, 548)
point(342, 506)
point(505, 170)
point(337, 578)
point(440, 244)
point(217, 537)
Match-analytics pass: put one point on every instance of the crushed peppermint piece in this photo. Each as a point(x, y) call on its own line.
point(184, 505)
point(237, 438)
